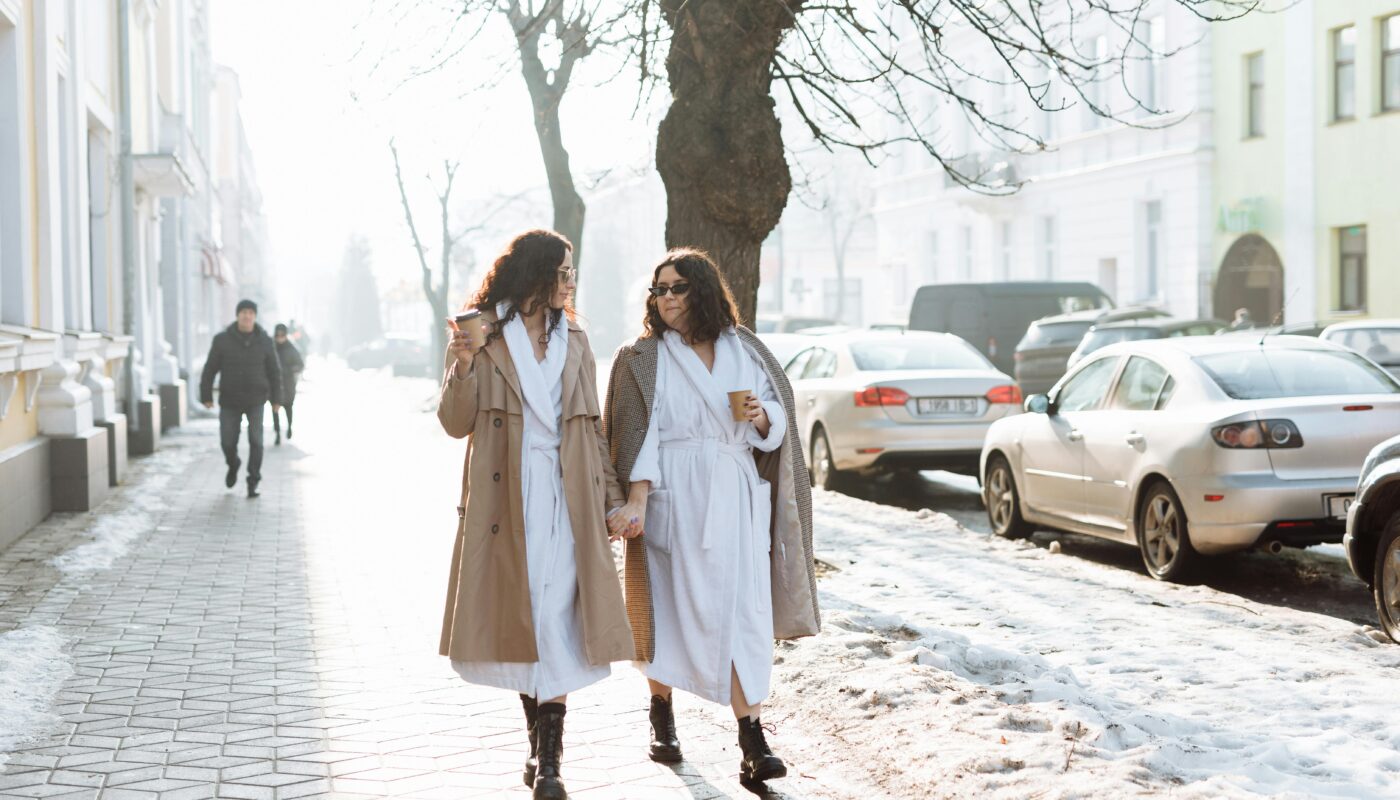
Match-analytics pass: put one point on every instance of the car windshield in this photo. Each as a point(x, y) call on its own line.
point(1263, 373)
point(1103, 338)
point(1054, 334)
point(903, 353)
point(1381, 345)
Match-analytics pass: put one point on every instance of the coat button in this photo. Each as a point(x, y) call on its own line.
point(495, 528)
point(496, 423)
point(498, 370)
point(496, 477)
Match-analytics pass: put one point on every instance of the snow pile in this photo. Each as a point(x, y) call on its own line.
point(955, 665)
point(113, 532)
point(33, 667)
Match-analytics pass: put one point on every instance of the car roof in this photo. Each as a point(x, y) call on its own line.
point(1192, 346)
point(1109, 314)
point(1022, 287)
point(865, 335)
point(1361, 324)
point(1165, 323)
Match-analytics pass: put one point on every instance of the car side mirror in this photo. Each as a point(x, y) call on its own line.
point(1038, 404)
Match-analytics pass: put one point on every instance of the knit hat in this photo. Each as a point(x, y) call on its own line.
point(279, 329)
point(248, 304)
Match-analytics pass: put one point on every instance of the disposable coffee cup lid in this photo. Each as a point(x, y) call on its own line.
point(466, 315)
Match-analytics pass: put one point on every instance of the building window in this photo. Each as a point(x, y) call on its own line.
point(1094, 89)
point(1006, 249)
point(1254, 99)
point(1048, 243)
point(1351, 268)
point(13, 266)
point(934, 258)
point(1152, 262)
point(1344, 73)
point(1390, 63)
point(1155, 39)
point(966, 252)
point(1046, 95)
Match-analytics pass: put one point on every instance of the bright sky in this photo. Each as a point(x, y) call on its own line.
point(319, 117)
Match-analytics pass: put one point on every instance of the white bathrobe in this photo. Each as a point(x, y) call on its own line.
point(549, 537)
point(707, 526)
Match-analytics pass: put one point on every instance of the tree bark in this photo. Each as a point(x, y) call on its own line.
point(720, 147)
point(547, 88)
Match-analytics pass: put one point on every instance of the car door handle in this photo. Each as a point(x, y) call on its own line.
point(1135, 439)
point(1076, 436)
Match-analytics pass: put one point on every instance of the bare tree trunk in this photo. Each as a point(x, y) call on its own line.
point(547, 88)
point(720, 148)
point(436, 296)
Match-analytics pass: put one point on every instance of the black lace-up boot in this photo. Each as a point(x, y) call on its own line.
point(549, 726)
point(759, 764)
point(665, 747)
point(532, 710)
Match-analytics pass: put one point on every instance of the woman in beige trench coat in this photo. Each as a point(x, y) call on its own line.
point(533, 601)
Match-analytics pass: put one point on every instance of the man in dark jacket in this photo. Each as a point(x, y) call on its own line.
point(247, 358)
point(292, 365)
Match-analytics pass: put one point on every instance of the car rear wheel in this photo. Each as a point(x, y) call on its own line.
point(825, 475)
point(1162, 537)
point(1003, 504)
point(1388, 578)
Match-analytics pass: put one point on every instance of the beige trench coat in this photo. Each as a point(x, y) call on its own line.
point(488, 593)
point(631, 391)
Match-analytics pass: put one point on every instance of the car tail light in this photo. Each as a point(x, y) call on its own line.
point(1269, 434)
point(881, 396)
point(1010, 393)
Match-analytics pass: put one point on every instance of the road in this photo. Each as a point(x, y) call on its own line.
point(1317, 579)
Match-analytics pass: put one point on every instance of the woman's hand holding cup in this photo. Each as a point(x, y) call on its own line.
point(460, 345)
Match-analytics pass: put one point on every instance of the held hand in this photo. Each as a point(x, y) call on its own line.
point(459, 344)
point(753, 409)
point(208, 404)
point(276, 408)
point(627, 523)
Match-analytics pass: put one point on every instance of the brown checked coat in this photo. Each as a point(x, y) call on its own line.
point(627, 413)
point(488, 593)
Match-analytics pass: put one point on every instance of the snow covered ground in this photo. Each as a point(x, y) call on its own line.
point(954, 664)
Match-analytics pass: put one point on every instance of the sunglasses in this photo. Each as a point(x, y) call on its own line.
point(677, 290)
point(568, 274)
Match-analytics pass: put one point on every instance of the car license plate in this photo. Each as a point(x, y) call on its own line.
point(947, 405)
point(1338, 504)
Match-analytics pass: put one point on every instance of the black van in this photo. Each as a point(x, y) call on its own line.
point(993, 317)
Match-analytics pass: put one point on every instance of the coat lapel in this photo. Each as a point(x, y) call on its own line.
point(643, 366)
point(573, 363)
point(500, 356)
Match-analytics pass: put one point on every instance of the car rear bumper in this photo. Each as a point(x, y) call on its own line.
point(889, 445)
point(1257, 507)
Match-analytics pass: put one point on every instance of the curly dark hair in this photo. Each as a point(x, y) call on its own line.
point(710, 306)
point(526, 275)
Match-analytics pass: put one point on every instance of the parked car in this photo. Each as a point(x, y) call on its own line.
point(992, 317)
point(869, 401)
point(1104, 334)
point(777, 323)
point(407, 354)
point(1042, 355)
point(1372, 540)
point(1377, 339)
point(1193, 446)
point(1290, 329)
point(785, 345)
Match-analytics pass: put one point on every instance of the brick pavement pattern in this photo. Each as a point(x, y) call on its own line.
point(285, 647)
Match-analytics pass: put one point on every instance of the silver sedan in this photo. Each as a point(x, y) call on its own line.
point(1193, 446)
point(869, 401)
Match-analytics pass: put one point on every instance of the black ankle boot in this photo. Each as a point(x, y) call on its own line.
point(549, 727)
point(665, 747)
point(532, 709)
point(759, 764)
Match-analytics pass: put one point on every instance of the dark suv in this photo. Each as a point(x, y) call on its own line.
point(1043, 354)
point(1372, 540)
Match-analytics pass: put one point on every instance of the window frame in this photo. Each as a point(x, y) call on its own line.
point(1337, 65)
point(804, 353)
point(1360, 262)
point(1254, 122)
point(1114, 368)
point(1157, 400)
point(1388, 51)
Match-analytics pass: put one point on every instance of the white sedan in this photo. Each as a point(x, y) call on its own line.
point(871, 401)
point(1377, 339)
point(1192, 446)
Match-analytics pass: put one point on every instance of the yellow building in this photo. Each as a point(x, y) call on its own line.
point(1307, 167)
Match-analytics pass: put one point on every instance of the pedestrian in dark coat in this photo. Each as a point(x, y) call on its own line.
point(246, 358)
point(292, 365)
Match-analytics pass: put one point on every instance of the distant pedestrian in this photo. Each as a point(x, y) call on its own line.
point(1243, 320)
point(700, 420)
point(533, 601)
point(245, 358)
point(292, 365)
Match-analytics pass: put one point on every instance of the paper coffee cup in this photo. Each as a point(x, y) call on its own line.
point(471, 322)
point(736, 404)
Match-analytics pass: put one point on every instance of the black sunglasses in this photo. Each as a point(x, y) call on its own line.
point(677, 290)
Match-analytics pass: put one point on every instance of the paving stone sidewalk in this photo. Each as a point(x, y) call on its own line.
point(286, 646)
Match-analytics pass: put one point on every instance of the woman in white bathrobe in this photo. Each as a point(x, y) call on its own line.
point(696, 494)
point(527, 295)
